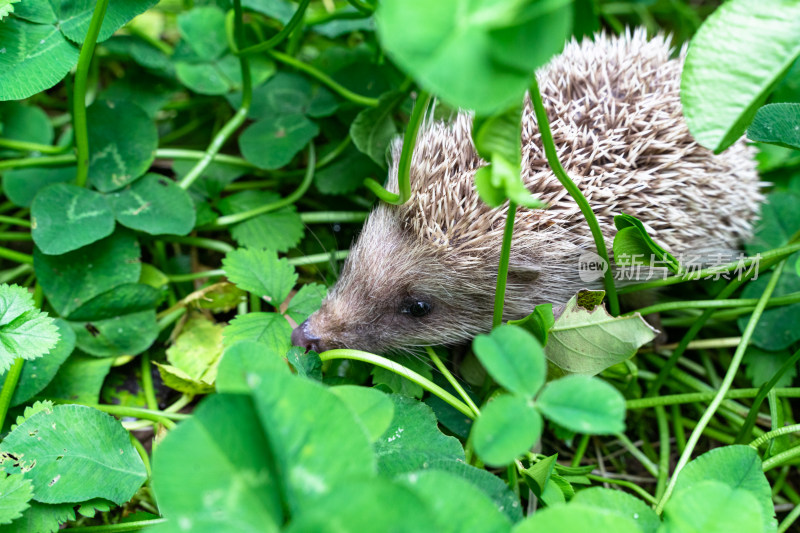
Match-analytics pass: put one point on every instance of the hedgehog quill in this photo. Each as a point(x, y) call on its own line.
point(424, 273)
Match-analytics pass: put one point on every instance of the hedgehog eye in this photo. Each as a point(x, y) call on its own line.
point(417, 308)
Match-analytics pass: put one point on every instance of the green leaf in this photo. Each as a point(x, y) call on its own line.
point(273, 142)
point(72, 279)
point(585, 339)
point(777, 124)
point(537, 477)
point(539, 322)
point(622, 503)
point(154, 204)
point(123, 334)
point(25, 331)
point(37, 373)
point(775, 330)
point(238, 469)
point(79, 379)
point(399, 384)
point(260, 272)
point(122, 144)
point(584, 405)
point(278, 230)
point(470, 511)
point(123, 299)
point(481, 59)
point(576, 517)
point(780, 219)
point(306, 301)
point(144, 53)
point(222, 75)
point(305, 364)
point(25, 123)
point(193, 357)
point(507, 427)
point(633, 240)
point(67, 463)
point(243, 364)
point(373, 128)
point(373, 409)
point(66, 217)
point(739, 468)
point(6, 7)
point(285, 94)
point(270, 329)
point(15, 494)
point(732, 65)
point(42, 518)
point(203, 29)
point(761, 365)
point(712, 507)
point(413, 440)
point(347, 173)
point(21, 185)
point(37, 56)
point(514, 358)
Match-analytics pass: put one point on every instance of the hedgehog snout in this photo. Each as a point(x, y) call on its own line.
point(303, 337)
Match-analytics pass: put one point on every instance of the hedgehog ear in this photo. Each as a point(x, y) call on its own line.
point(522, 274)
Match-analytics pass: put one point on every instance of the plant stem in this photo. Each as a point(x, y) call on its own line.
point(406, 155)
point(781, 458)
point(44, 161)
point(766, 437)
point(14, 220)
point(400, 370)
point(292, 198)
point(724, 387)
point(694, 397)
point(13, 255)
point(200, 242)
point(580, 451)
point(786, 299)
point(147, 383)
point(79, 94)
point(163, 418)
point(502, 270)
point(9, 386)
point(118, 528)
point(311, 259)
point(183, 154)
point(552, 158)
point(637, 453)
point(24, 146)
point(143, 454)
point(789, 520)
point(324, 79)
point(663, 451)
point(452, 380)
point(332, 217)
point(296, 19)
point(627, 484)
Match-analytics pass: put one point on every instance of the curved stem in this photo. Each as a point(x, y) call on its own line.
point(406, 155)
point(311, 259)
point(24, 146)
point(724, 387)
point(363, 7)
point(292, 198)
point(627, 484)
point(147, 383)
point(324, 79)
point(9, 386)
point(119, 528)
point(333, 217)
point(400, 370)
point(296, 19)
point(787, 522)
point(781, 458)
point(79, 94)
point(238, 118)
point(183, 154)
point(573, 190)
point(775, 433)
point(502, 270)
point(715, 304)
point(452, 380)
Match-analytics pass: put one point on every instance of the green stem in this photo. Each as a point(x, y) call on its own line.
point(781, 458)
point(726, 385)
point(766, 437)
point(694, 397)
point(324, 79)
point(296, 19)
point(786, 299)
point(627, 484)
point(663, 451)
point(44, 161)
point(452, 380)
point(24, 146)
point(573, 190)
point(637, 453)
point(119, 528)
point(406, 156)
point(156, 43)
point(789, 520)
point(14, 236)
point(311, 259)
point(14, 220)
point(13, 255)
point(333, 217)
point(199, 242)
point(79, 94)
point(361, 6)
point(400, 370)
point(161, 417)
point(292, 198)
point(502, 270)
point(190, 155)
point(143, 454)
point(9, 386)
point(147, 383)
point(580, 451)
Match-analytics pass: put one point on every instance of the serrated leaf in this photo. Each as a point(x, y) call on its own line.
point(273, 142)
point(25, 331)
point(15, 493)
point(776, 124)
point(583, 404)
point(66, 463)
point(507, 427)
point(6, 7)
point(723, 86)
point(585, 339)
point(373, 128)
point(194, 357)
point(29, 411)
point(306, 364)
point(41, 518)
point(278, 230)
point(260, 272)
point(270, 329)
point(154, 204)
point(514, 358)
point(66, 217)
point(306, 301)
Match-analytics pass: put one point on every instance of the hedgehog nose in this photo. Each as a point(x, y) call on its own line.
point(302, 337)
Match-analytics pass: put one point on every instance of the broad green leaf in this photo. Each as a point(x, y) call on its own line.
point(514, 358)
point(777, 124)
point(222, 75)
point(733, 62)
point(278, 230)
point(585, 339)
point(25, 331)
point(369, 505)
point(79, 379)
point(122, 144)
point(539, 322)
point(413, 440)
point(273, 142)
point(37, 373)
point(30, 410)
point(21, 185)
point(270, 329)
point(712, 507)
point(374, 128)
point(154, 204)
point(576, 517)
point(632, 241)
point(37, 56)
point(306, 301)
point(483, 58)
point(42, 518)
point(16, 492)
point(123, 299)
point(780, 219)
point(622, 503)
point(72, 279)
point(584, 405)
point(237, 489)
point(244, 363)
point(761, 365)
point(285, 94)
point(372, 408)
point(260, 272)
point(471, 511)
point(305, 364)
point(347, 173)
point(203, 29)
point(67, 463)
point(537, 477)
point(776, 328)
point(124, 334)
point(66, 217)
point(25, 123)
point(738, 467)
point(507, 427)
point(399, 384)
point(139, 50)
point(194, 357)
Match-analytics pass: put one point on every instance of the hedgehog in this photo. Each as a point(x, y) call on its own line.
point(424, 273)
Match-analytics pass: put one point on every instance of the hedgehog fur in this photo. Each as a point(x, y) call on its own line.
point(615, 113)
